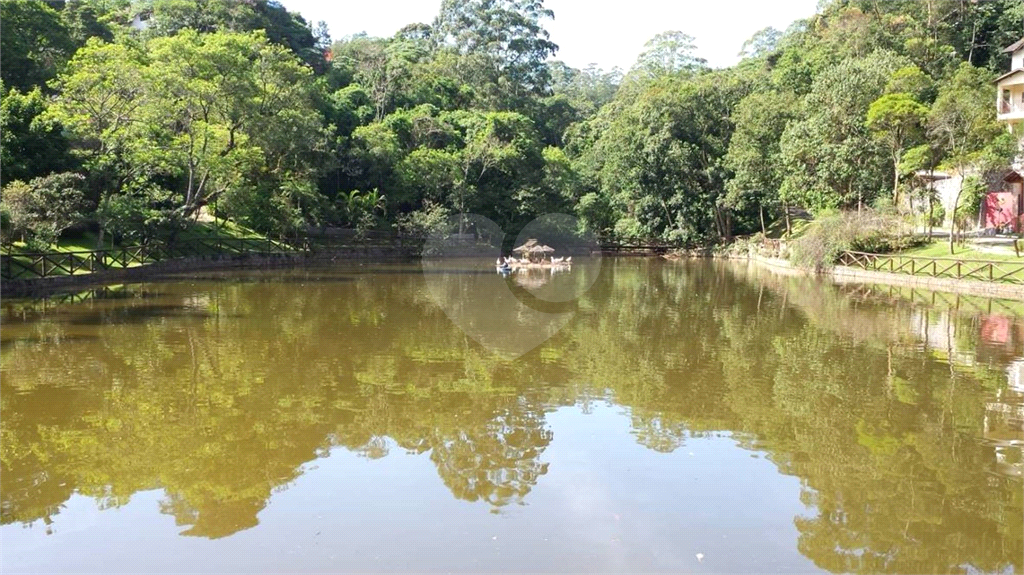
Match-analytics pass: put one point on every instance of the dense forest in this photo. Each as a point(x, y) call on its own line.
point(132, 118)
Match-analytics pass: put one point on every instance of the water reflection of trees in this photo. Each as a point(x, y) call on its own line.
point(219, 400)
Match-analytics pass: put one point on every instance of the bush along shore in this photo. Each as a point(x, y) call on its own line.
point(869, 246)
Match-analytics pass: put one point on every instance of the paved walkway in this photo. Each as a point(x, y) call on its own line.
point(1001, 244)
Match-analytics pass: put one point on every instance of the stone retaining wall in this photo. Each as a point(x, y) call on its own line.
point(847, 275)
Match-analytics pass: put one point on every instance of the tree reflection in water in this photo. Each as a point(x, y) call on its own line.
point(899, 418)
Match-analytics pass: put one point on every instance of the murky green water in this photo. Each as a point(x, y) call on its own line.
point(693, 416)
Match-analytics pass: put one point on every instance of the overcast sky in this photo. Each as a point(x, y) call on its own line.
point(604, 32)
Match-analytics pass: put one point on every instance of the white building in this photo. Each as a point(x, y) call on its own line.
point(1005, 206)
point(141, 21)
point(1010, 91)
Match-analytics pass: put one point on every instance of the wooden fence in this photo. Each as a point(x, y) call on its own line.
point(984, 270)
point(326, 243)
point(48, 264)
point(614, 248)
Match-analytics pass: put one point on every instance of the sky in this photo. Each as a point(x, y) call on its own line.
point(588, 31)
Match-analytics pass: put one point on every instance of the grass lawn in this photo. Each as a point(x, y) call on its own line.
point(940, 249)
point(1003, 270)
point(777, 229)
point(220, 229)
point(87, 241)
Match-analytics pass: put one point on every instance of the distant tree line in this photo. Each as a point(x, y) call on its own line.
point(133, 118)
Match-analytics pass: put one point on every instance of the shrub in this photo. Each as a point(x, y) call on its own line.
point(832, 234)
point(137, 216)
point(5, 226)
point(16, 202)
point(938, 214)
point(970, 202)
point(433, 218)
point(60, 203)
point(38, 211)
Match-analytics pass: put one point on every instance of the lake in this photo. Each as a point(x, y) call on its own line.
point(628, 415)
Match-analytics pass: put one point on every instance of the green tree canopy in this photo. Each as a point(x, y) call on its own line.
point(754, 155)
point(34, 46)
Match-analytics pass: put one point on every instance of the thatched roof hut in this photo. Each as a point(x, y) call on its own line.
point(532, 248)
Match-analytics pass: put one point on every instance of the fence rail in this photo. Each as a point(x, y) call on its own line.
point(49, 264)
point(313, 243)
point(645, 248)
point(984, 270)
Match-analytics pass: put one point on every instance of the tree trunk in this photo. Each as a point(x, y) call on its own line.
point(760, 209)
point(720, 223)
point(931, 197)
point(99, 236)
point(789, 230)
point(974, 37)
point(896, 187)
point(952, 217)
point(931, 214)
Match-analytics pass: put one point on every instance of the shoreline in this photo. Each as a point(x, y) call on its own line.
point(845, 275)
point(839, 275)
point(40, 287)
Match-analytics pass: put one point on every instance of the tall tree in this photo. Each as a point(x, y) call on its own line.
point(281, 27)
point(171, 16)
point(670, 52)
point(762, 43)
point(830, 157)
point(754, 156)
point(896, 120)
point(662, 159)
point(34, 45)
point(101, 95)
point(31, 144)
point(208, 113)
point(379, 66)
point(85, 19)
point(962, 123)
point(223, 107)
point(508, 37)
